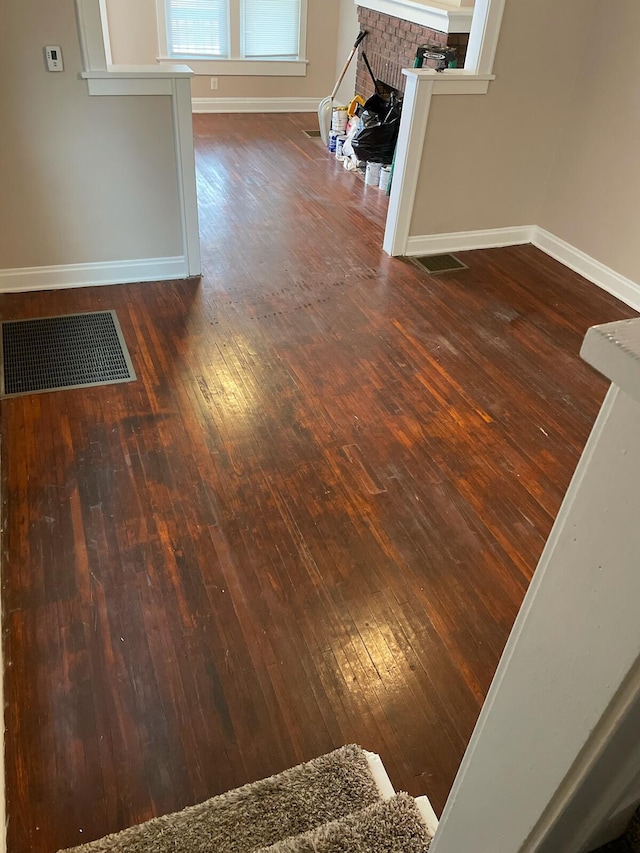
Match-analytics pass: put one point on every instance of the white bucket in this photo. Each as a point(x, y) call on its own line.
point(339, 119)
point(385, 178)
point(372, 176)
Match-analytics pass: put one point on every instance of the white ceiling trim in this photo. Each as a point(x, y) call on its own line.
point(444, 17)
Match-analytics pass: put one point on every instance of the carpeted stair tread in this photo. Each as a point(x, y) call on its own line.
point(392, 826)
point(256, 815)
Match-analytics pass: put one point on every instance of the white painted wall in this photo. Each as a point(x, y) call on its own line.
point(598, 797)
point(348, 29)
point(487, 159)
point(593, 802)
point(82, 179)
point(592, 193)
point(549, 144)
point(618, 820)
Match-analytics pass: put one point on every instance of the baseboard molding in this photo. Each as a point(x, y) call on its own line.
point(428, 815)
point(255, 105)
point(380, 775)
point(462, 241)
point(617, 285)
point(90, 275)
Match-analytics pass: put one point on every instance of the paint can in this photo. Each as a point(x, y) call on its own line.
point(339, 118)
point(385, 178)
point(372, 175)
point(333, 135)
point(340, 141)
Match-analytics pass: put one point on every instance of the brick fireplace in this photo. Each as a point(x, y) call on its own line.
point(391, 45)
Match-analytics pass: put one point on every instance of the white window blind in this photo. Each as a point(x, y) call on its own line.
point(198, 28)
point(271, 29)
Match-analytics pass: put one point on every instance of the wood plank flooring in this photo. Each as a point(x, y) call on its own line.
point(310, 521)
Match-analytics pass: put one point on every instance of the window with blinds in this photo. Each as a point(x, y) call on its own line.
point(271, 29)
point(234, 29)
point(198, 28)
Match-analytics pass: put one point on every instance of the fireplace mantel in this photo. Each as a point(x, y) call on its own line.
point(447, 17)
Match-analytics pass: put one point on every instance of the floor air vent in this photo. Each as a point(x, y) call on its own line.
point(54, 353)
point(313, 134)
point(435, 264)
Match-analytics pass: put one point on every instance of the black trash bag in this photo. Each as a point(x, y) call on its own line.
point(376, 140)
point(374, 110)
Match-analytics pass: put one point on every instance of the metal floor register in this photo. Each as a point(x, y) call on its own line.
point(55, 353)
point(435, 264)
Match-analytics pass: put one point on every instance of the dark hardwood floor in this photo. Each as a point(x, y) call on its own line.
point(310, 521)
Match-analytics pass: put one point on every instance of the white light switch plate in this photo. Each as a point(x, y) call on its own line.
point(54, 57)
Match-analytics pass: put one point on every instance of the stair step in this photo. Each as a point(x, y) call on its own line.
point(342, 802)
point(394, 825)
point(380, 775)
point(259, 814)
point(381, 778)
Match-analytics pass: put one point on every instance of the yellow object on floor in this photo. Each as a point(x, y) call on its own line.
point(353, 106)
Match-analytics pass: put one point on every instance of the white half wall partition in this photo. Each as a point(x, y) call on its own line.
point(95, 190)
point(172, 81)
point(422, 85)
point(126, 81)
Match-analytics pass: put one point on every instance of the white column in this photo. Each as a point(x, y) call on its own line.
point(483, 38)
point(186, 168)
point(569, 679)
point(89, 15)
point(413, 126)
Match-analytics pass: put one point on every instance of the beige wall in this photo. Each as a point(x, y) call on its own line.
point(133, 36)
point(348, 29)
point(593, 194)
point(82, 178)
point(487, 158)
point(132, 31)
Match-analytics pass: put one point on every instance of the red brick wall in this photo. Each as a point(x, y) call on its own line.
point(391, 45)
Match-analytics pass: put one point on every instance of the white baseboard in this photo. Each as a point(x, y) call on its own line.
point(462, 241)
point(89, 275)
point(617, 285)
point(428, 815)
point(255, 105)
point(380, 776)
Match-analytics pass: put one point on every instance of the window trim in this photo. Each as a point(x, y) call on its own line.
point(236, 66)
